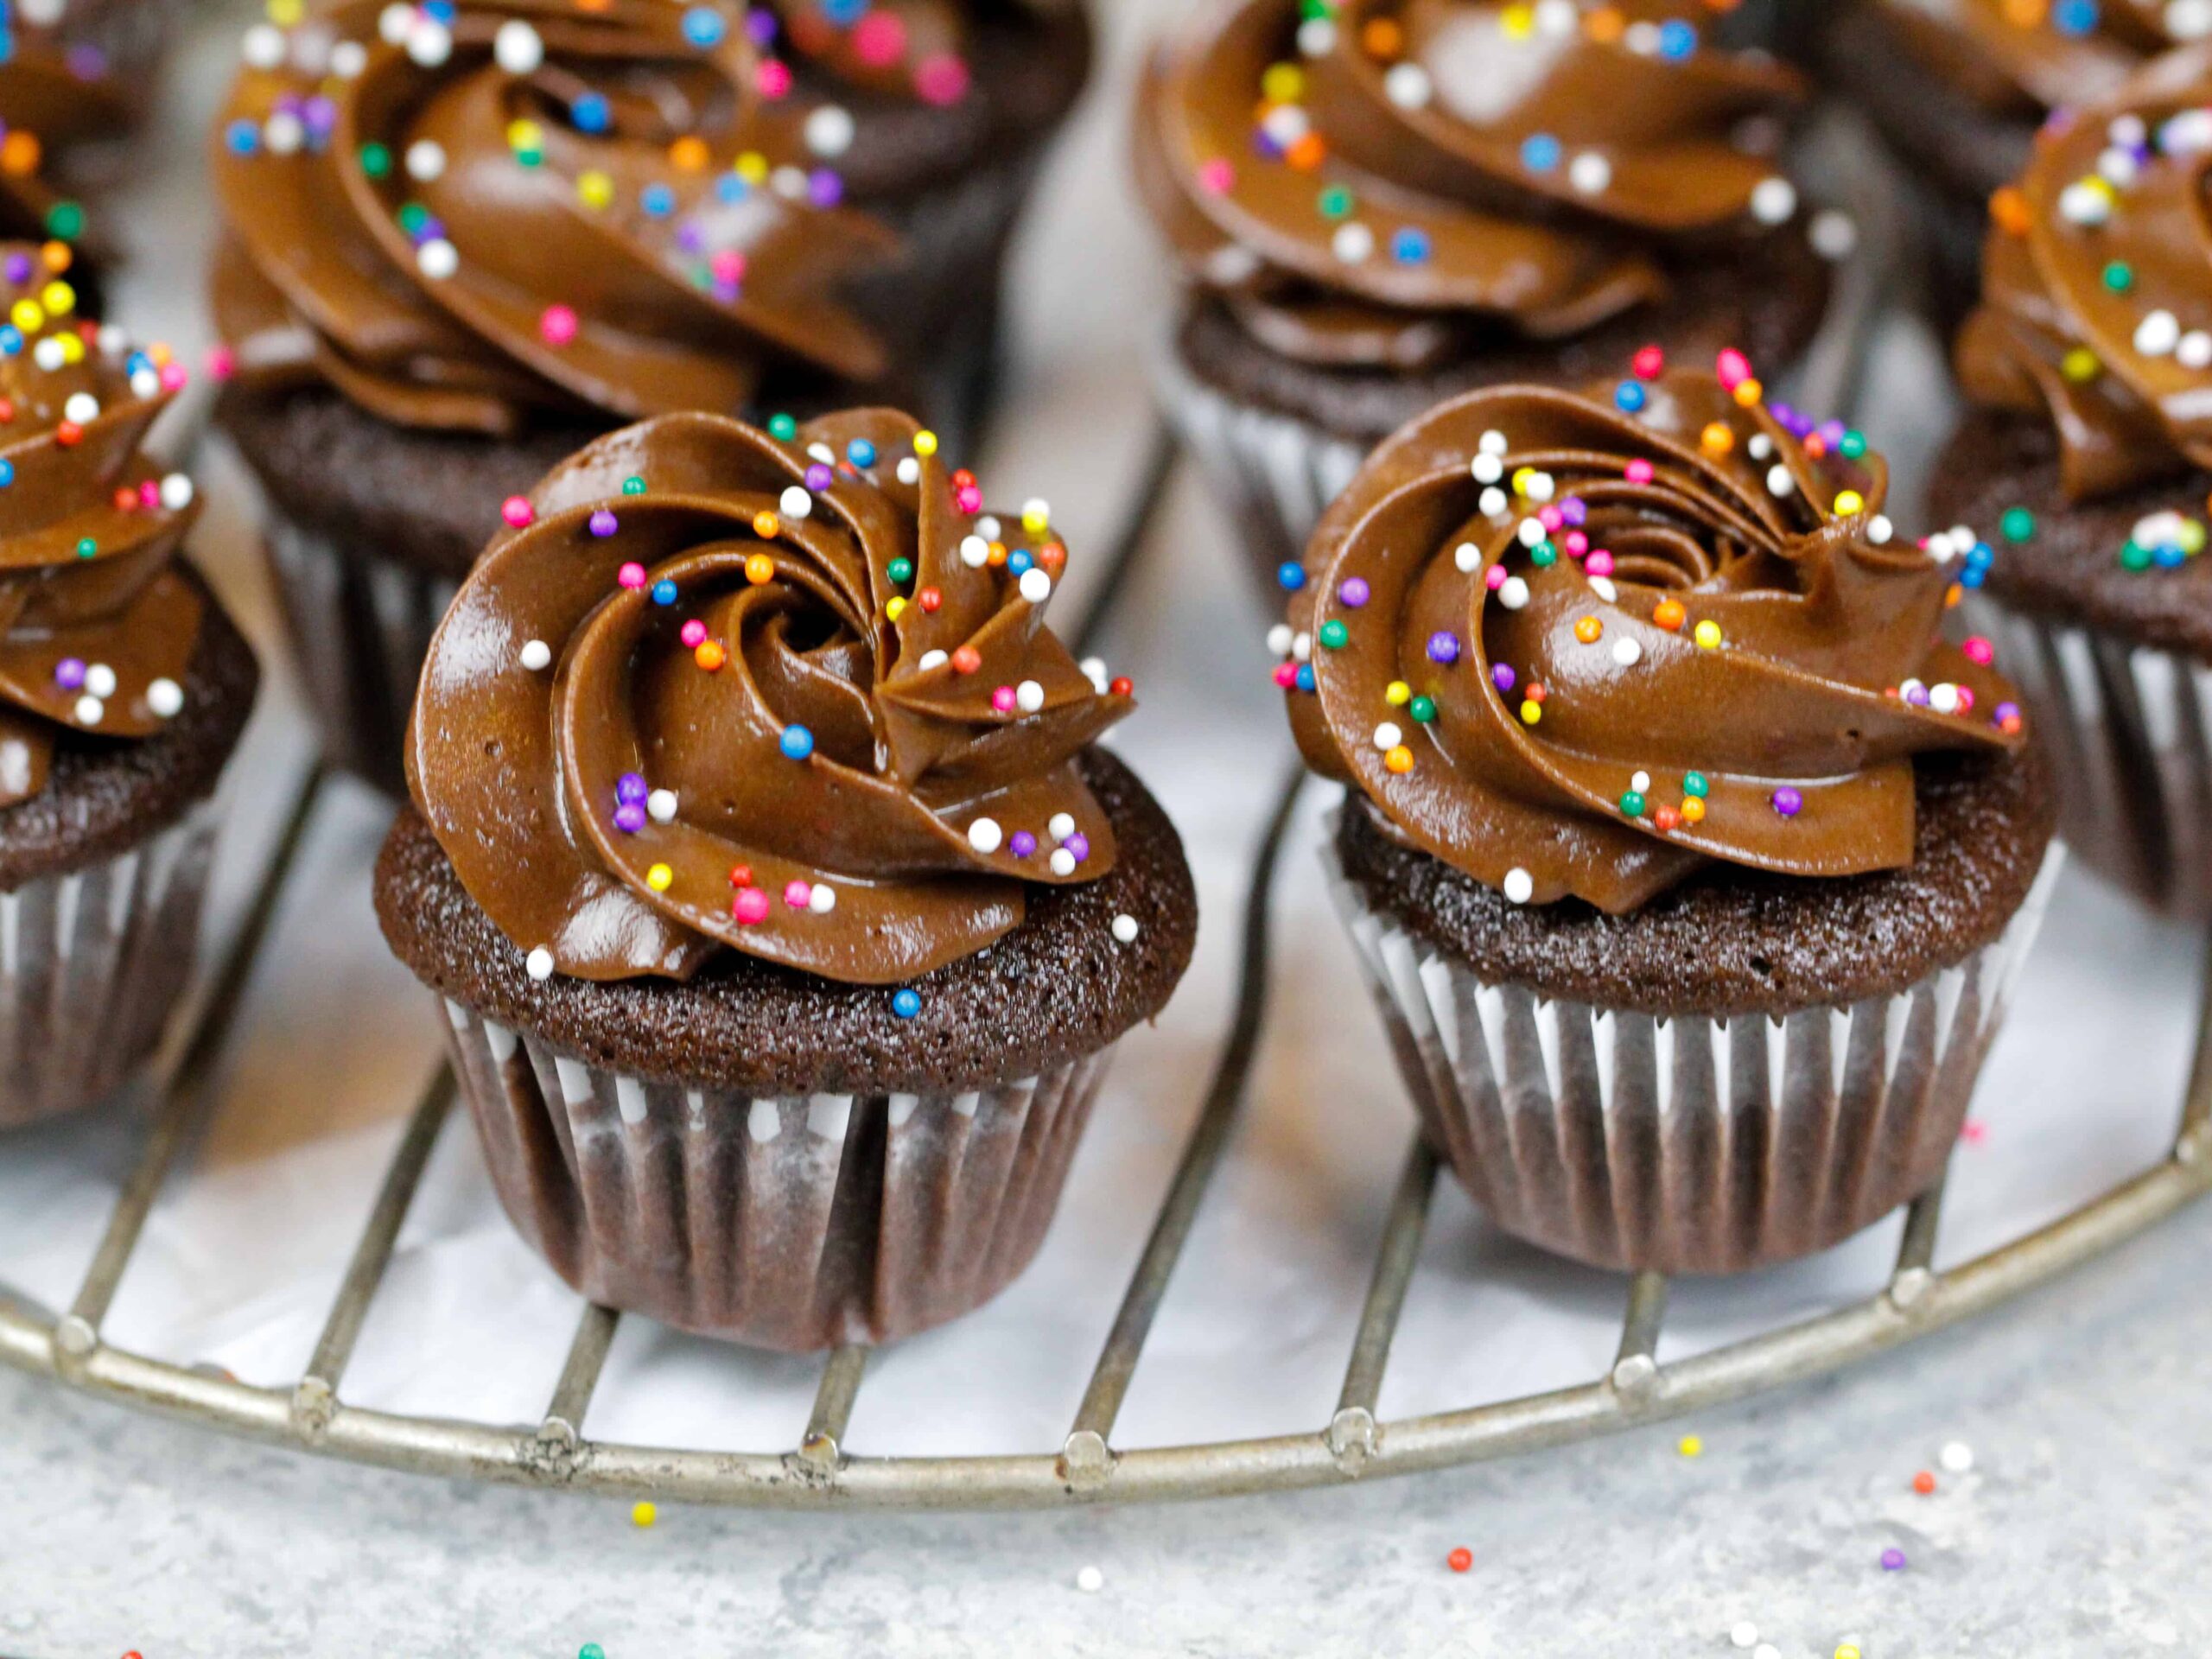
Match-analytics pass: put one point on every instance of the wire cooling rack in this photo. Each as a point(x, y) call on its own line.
point(313, 1414)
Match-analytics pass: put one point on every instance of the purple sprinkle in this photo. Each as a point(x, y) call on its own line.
point(1789, 803)
point(1893, 1561)
point(69, 673)
point(2006, 711)
point(629, 819)
point(603, 523)
point(760, 24)
point(630, 789)
point(1575, 510)
point(1078, 845)
point(87, 63)
point(1504, 677)
point(1443, 647)
point(1916, 695)
point(689, 237)
point(1022, 843)
point(1354, 591)
point(825, 189)
point(819, 477)
point(19, 268)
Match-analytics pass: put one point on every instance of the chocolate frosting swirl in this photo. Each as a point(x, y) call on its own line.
point(2003, 54)
point(97, 627)
point(792, 698)
point(1417, 167)
point(58, 94)
point(535, 206)
point(1573, 651)
point(902, 49)
point(2097, 285)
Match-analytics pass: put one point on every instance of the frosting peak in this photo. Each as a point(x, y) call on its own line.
point(1416, 167)
point(458, 215)
point(787, 695)
point(1582, 651)
point(98, 628)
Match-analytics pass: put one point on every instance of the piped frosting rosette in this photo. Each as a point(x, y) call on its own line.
point(1577, 650)
point(458, 213)
point(788, 693)
point(1364, 180)
point(2097, 285)
point(2054, 53)
point(97, 627)
point(58, 94)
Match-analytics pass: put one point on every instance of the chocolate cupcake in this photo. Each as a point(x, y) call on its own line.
point(2086, 459)
point(784, 915)
point(938, 114)
point(462, 243)
point(123, 689)
point(1690, 866)
point(1958, 88)
point(1435, 196)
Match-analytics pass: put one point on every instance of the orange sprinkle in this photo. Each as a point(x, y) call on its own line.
point(58, 257)
point(1382, 38)
point(765, 524)
point(1400, 760)
point(2009, 209)
point(1692, 809)
point(1308, 153)
point(759, 569)
point(19, 154)
point(1587, 630)
point(709, 656)
point(690, 154)
point(1749, 393)
point(1670, 615)
point(1605, 25)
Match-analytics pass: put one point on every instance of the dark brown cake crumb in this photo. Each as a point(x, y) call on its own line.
point(1733, 941)
point(108, 795)
point(2070, 566)
point(1059, 988)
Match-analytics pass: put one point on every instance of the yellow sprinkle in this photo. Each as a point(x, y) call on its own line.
point(29, 315)
point(2079, 365)
point(1531, 712)
point(1850, 504)
point(1036, 523)
point(524, 135)
point(1518, 21)
point(660, 877)
point(1398, 694)
point(58, 298)
point(895, 609)
point(644, 1514)
point(285, 13)
point(1708, 635)
point(752, 166)
point(1848, 1650)
point(1283, 82)
point(925, 443)
point(1691, 1447)
point(72, 348)
point(594, 188)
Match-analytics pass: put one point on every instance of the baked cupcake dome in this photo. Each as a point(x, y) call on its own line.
point(123, 690)
point(2083, 463)
point(1383, 205)
point(1653, 749)
point(856, 875)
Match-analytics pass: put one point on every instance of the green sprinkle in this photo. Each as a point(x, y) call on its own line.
point(900, 570)
point(1423, 709)
point(88, 548)
point(782, 428)
point(1543, 555)
point(1632, 804)
point(376, 160)
point(2018, 524)
point(1336, 202)
point(66, 220)
point(633, 485)
point(2119, 277)
point(413, 216)
point(2134, 556)
point(1334, 634)
point(1853, 445)
point(1693, 783)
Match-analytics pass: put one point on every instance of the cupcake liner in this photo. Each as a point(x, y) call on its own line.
point(1274, 472)
point(1687, 1144)
point(361, 627)
point(92, 964)
point(2131, 729)
point(796, 1223)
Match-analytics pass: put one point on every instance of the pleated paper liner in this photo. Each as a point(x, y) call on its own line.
point(92, 964)
point(1688, 1145)
point(2130, 728)
point(796, 1223)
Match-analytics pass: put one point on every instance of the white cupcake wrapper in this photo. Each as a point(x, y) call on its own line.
point(795, 1224)
point(92, 965)
point(2130, 729)
point(361, 625)
point(1688, 1145)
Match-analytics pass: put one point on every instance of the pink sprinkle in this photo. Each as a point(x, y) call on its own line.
point(969, 500)
point(632, 576)
point(558, 325)
point(1494, 578)
point(1218, 176)
point(518, 511)
point(1649, 363)
point(1975, 1133)
point(174, 379)
point(1966, 699)
point(750, 907)
point(1002, 699)
point(1979, 650)
point(222, 362)
point(694, 634)
point(1285, 675)
point(1577, 544)
point(1550, 518)
point(941, 79)
point(774, 79)
point(880, 39)
point(1639, 471)
point(727, 266)
point(798, 893)
point(149, 494)
point(1734, 368)
point(1599, 563)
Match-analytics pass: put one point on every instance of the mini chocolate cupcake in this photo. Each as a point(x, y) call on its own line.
point(1383, 204)
point(784, 915)
point(938, 114)
point(1958, 88)
point(463, 241)
point(2086, 457)
point(123, 689)
point(1690, 866)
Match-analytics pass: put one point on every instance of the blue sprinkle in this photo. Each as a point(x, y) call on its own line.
point(1677, 39)
point(703, 26)
point(907, 1004)
point(659, 201)
point(2074, 16)
point(1540, 152)
point(860, 453)
point(591, 112)
point(731, 188)
point(1410, 246)
point(664, 591)
point(11, 340)
point(7, 474)
point(243, 137)
point(1291, 575)
point(1630, 398)
point(1019, 560)
point(1306, 677)
point(797, 742)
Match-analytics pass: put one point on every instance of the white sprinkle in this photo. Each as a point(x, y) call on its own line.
point(1353, 244)
point(2085, 204)
point(264, 46)
point(2158, 334)
point(518, 47)
point(395, 22)
point(1779, 482)
point(822, 453)
point(1486, 468)
point(540, 964)
point(988, 527)
point(1540, 487)
point(47, 354)
point(1520, 886)
point(1468, 557)
point(145, 384)
point(1317, 37)
point(348, 59)
point(2189, 20)
point(1125, 928)
point(1094, 668)
point(975, 552)
point(796, 503)
point(1493, 503)
point(1302, 647)
point(2195, 351)
point(1029, 696)
point(1603, 587)
point(429, 43)
point(82, 408)
point(1744, 1635)
point(1833, 234)
point(1061, 826)
point(99, 680)
point(437, 258)
point(426, 160)
point(1491, 442)
point(1773, 200)
point(1279, 640)
point(1956, 1457)
point(830, 131)
point(1879, 529)
point(932, 660)
point(91, 711)
point(1408, 86)
point(165, 697)
point(823, 900)
point(660, 806)
point(1062, 861)
point(177, 492)
point(1944, 698)
point(1627, 652)
point(1036, 586)
point(1090, 1580)
point(1640, 782)
point(985, 835)
point(284, 133)
point(537, 656)
point(1514, 594)
point(1590, 173)
point(1387, 736)
point(1532, 532)
point(1760, 447)
point(910, 470)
